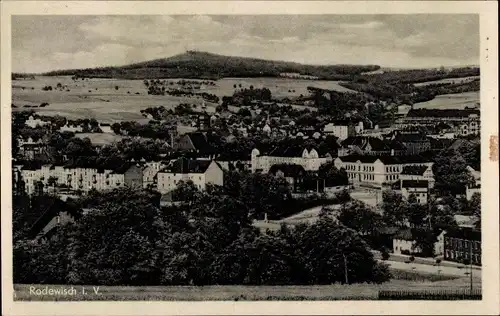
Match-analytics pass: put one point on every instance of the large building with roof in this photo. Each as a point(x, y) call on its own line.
point(463, 244)
point(307, 157)
point(418, 173)
point(366, 145)
point(79, 178)
point(466, 121)
point(377, 171)
point(200, 172)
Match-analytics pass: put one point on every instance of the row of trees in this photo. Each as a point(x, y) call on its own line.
point(213, 243)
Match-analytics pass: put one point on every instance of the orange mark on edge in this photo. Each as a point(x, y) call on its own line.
point(493, 148)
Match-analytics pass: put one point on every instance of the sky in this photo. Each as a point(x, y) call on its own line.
point(44, 43)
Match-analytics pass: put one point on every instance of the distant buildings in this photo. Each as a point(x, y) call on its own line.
point(30, 149)
point(32, 122)
point(371, 146)
point(74, 128)
point(296, 75)
point(200, 172)
point(414, 143)
point(343, 129)
point(466, 122)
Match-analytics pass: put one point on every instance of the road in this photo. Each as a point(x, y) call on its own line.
point(417, 267)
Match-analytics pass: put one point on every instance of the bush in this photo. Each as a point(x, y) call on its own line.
point(385, 255)
point(405, 252)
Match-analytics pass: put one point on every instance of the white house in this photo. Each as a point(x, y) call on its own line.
point(71, 128)
point(418, 173)
point(106, 128)
point(418, 188)
point(200, 172)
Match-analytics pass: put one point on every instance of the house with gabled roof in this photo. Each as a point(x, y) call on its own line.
point(195, 142)
point(419, 173)
point(200, 172)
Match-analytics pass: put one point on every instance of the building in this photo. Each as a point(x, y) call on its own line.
point(432, 116)
point(81, 179)
point(404, 242)
point(56, 214)
point(200, 172)
point(476, 186)
point(366, 145)
point(308, 158)
point(418, 188)
point(203, 121)
point(463, 244)
point(418, 173)
point(414, 143)
point(343, 129)
point(195, 142)
point(149, 173)
point(465, 122)
point(69, 127)
point(376, 171)
point(33, 122)
point(294, 174)
point(106, 128)
point(30, 149)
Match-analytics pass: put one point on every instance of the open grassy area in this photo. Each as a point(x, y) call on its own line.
point(448, 80)
point(450, 101)
point(98, 98)
point(238, 292)
point(93, 98)
point(100, 138)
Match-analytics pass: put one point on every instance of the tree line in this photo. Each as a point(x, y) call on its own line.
point(203, 244)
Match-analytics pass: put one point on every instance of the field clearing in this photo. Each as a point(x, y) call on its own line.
point(98, 98)
point(100, 138)
point(279, 86)
point(450, 101)
point(95, 98)
point(447, 80)
point(239, 292)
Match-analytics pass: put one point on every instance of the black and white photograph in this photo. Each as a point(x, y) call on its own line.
point(248, 157)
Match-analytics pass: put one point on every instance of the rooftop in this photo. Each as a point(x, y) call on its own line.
point(442, 113)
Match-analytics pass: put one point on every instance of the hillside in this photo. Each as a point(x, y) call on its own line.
point(193, 64)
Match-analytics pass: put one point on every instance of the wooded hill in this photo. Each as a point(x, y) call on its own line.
point(194, 64)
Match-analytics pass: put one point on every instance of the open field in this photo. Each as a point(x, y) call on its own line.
point(448, 80)
point(450, 101)
point(280, 87)
point(100, 138)
point(239, 292)
point(98, 98)
point(95, 98)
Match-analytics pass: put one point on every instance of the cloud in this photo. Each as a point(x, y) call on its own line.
point(54, 42)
